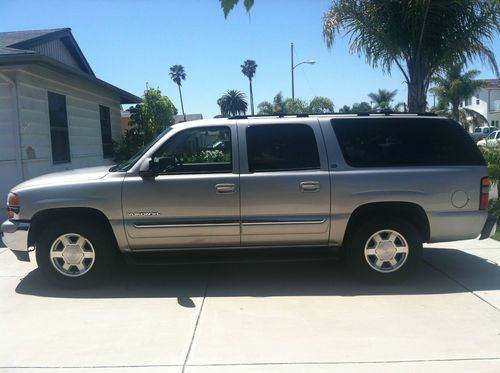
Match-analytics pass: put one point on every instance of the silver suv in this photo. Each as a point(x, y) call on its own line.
point(377, 186)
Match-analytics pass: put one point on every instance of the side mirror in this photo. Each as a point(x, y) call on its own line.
point(148, 168)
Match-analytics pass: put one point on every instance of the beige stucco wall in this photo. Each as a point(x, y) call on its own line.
point(84, 127)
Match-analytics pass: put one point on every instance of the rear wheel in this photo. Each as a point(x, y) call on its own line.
point(75, 253)
point(385, 248)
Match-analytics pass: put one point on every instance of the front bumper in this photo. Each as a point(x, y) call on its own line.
point(15, 236)
point(490, 227)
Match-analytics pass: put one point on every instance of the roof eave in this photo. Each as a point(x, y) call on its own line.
point(35, 58)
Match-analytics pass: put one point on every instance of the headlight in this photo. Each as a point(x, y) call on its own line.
point(13, 205)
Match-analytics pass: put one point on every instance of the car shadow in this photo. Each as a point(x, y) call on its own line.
point(443, 271)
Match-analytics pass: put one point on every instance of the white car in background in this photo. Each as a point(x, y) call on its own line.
point(492, 139)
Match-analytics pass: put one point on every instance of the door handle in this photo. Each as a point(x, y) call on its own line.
point(225, 188)
point(310, 186)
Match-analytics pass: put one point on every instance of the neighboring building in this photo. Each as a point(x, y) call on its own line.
point(189, 117)
point(486, 102)
point(54, 113)
point(125, 119)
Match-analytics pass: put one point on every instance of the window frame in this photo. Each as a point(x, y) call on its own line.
point(107, 111)
point(205, 128)
point(259, 125)
point(53, 128)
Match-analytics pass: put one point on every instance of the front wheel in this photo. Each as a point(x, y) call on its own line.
point(385, 248)
point(74, 253)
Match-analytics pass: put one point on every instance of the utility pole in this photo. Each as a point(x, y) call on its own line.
point(291, 57)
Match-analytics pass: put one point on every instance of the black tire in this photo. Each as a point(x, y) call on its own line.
point(358, 239)
point(101, 244)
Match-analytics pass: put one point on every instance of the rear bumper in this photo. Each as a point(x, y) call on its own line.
point(15, 236)
point(490, 227)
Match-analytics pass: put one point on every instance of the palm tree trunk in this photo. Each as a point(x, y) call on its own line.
point(182, 104)
point(417, 100)
point(251, 97)
point(454, 110)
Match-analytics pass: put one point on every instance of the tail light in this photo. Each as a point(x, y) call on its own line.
point(485, 193)
point(13, 203)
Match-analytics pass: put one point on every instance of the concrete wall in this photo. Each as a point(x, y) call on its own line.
point(84, 128)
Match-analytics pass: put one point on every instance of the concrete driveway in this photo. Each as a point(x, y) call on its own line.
point(259, 317)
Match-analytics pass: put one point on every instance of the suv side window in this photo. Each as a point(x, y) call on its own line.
point(196, 150)
point(281, 147)
point(393, 142)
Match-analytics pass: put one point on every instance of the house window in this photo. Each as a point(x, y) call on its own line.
point(59, 128)
point(107, 140)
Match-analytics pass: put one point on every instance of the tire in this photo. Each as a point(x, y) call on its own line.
point(75, 254)
point(384, 248)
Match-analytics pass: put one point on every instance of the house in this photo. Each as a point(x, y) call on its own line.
point(486, 102)
point(189, 117)
point(55, 114)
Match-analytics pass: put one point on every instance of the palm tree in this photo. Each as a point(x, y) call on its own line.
point(383, 98)
point(452, 86)
point(248, 69)
point(232, 103)
point(419, 37)
point(177, 74)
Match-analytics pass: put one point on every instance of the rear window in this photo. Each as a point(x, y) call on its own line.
point(393, 142)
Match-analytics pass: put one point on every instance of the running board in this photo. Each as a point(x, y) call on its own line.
point(212, 256)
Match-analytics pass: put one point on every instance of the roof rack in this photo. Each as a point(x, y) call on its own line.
point(361, 114)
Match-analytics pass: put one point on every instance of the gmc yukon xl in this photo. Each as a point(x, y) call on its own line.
point(376, 186)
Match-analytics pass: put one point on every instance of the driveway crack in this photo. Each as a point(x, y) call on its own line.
point(197, 319)
point(461, 284)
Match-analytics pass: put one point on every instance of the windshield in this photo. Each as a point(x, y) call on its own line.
point(125, 166)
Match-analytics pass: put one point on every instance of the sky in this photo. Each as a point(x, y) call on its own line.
point(131, 43)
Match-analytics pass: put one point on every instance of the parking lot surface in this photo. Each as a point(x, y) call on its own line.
point(258, 317)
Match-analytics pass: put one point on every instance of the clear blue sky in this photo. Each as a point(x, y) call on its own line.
point(129, 43)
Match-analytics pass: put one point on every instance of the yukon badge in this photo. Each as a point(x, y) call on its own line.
point(144, 213)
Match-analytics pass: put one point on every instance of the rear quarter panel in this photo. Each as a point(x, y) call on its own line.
point(449, 195)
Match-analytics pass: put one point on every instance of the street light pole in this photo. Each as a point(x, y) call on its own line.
point(293, 68)
point(310, 62)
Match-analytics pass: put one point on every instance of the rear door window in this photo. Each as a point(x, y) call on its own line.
point(281, 147)
point(393, 142)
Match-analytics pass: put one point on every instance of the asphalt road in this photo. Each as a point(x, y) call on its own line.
point(258, 317)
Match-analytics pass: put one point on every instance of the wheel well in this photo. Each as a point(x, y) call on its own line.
point(411, 212)
point(42, 218)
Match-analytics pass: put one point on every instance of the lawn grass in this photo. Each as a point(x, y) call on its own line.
point(496, 236)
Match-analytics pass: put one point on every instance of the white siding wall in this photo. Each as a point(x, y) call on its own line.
point(84, 128)
point(9, 173)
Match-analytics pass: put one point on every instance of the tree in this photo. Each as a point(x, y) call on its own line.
point(362, 107)
point(320, 104)
point(248, 69)
point(228, 5)
point(451, 86)
point(419, 37)
point(296, 106)
point(383, 98)
point(177, 74)
point(147, 120)
point(345, 109)
point(232, 103)
point(265, 108)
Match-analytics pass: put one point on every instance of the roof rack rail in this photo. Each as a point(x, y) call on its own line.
point(359, 114)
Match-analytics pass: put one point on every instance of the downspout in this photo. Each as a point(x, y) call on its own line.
point(17, 122)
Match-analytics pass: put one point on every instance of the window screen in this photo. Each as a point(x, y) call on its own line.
point(107, 139)
point(281, 147)
point(59, 128)
point(392, 142)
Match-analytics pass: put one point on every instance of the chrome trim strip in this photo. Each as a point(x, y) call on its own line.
point(144, 226)
point(283, 222)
